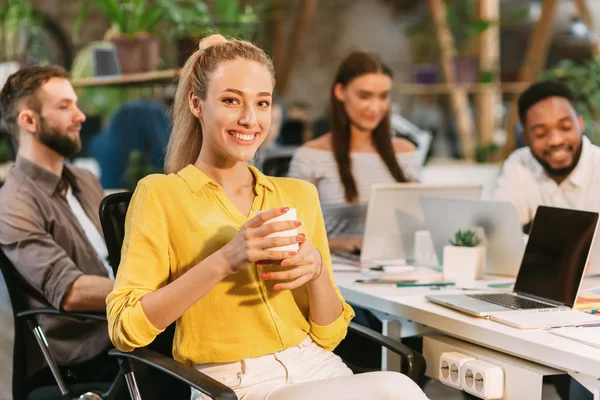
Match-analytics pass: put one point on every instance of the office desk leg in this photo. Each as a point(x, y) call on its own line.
point(591, 383)
point(391, 361)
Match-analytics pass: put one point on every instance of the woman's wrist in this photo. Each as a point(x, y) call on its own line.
point(314, 278)
point(218, 261)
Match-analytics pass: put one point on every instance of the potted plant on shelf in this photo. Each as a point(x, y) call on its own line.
point(193, 19)
point(132, 31)
point(464, 258)
point(19, 26)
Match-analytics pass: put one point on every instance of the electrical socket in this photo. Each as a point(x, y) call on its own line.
point(450, 368)
point(482, 379)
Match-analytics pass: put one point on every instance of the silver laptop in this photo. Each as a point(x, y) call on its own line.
point(394, 215)
point(504, 239)
point(551, 270)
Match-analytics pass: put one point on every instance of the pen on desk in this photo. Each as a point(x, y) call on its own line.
point(433, 284)
point(384, 281)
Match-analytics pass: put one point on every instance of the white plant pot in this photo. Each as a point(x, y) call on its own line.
point(463, 264)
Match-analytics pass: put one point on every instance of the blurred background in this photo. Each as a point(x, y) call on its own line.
point(455, 100)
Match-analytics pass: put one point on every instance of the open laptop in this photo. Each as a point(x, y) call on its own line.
point(504, 239)
point(549, 278)
point(394, 215)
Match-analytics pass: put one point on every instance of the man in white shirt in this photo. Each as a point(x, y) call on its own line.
point(560, 167)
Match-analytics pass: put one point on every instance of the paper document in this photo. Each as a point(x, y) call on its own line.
point(339, 267)
point(589, 335)
point(589, 300)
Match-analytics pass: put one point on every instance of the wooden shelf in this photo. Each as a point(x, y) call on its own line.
point(443, 88)
point(144, 78)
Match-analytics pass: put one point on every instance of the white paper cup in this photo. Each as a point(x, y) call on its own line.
point(288, 216)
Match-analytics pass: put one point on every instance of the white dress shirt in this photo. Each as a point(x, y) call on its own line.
point(525, 183)
point(92, 233)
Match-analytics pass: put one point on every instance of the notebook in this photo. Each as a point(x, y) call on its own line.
point(589, 335)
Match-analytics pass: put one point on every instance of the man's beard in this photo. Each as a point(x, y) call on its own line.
point(561, 172)
point(60, 142)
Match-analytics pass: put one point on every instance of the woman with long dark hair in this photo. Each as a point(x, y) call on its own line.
point(360, 150)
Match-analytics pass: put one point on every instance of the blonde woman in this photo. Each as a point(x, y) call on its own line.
point(261, 321)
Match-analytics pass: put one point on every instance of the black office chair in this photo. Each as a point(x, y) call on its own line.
point(26, 326)
point(276, 165)
point(112, 215)
point(175, 378)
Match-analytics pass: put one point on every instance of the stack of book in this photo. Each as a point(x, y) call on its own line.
point(589, 301)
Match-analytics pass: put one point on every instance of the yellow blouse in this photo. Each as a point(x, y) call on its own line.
point(175, 221)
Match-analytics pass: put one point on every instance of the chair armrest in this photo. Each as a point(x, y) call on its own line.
point(54, 311)
point(415, 361)
point(188, 375)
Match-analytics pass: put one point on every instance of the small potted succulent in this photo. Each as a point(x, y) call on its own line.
point(464, 258)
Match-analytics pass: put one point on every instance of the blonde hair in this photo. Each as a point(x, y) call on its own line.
point(186, 138)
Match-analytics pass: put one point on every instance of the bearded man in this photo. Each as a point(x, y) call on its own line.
point(559, 167)
point(49, 224)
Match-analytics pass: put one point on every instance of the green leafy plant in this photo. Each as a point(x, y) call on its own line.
point(137, 168)
point(465, 239)
point(485, 153)
point(463, 23)
point(584, 82)
point(6, 152)
point(196, 18)
point(20, 26)
point(127, 17)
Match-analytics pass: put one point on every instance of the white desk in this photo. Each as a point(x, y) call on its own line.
point(581, 361)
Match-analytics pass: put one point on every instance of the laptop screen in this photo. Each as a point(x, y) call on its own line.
point(556, 253)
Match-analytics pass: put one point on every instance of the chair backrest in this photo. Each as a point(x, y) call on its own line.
point(17, 288)
point(113, 210)
point(276, 165)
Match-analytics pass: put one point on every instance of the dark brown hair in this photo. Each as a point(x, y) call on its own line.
point(355, 65)
point(22, 86)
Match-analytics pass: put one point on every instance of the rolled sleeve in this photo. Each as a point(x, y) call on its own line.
point(330, 335)
point(132, 329)
point(144, 268)
point(35, 254)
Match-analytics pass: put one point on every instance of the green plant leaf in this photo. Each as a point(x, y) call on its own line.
point(80, 18)
point(150, 18)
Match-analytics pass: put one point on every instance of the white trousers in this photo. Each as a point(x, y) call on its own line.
point(307, 371)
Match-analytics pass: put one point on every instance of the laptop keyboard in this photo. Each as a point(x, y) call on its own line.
point(510, 301)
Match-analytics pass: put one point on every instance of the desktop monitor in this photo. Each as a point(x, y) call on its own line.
point(394, 215)
point(503, 235)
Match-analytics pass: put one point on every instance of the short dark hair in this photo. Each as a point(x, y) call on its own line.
point(540, 91)
point(23, 85)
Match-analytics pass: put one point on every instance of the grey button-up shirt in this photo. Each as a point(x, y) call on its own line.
point(44, 240)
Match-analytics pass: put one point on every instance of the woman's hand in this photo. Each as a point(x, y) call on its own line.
point(308, 265)
point(251, 245)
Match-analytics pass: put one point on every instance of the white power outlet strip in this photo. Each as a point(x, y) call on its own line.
point(450, 368)
point(482, 379)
